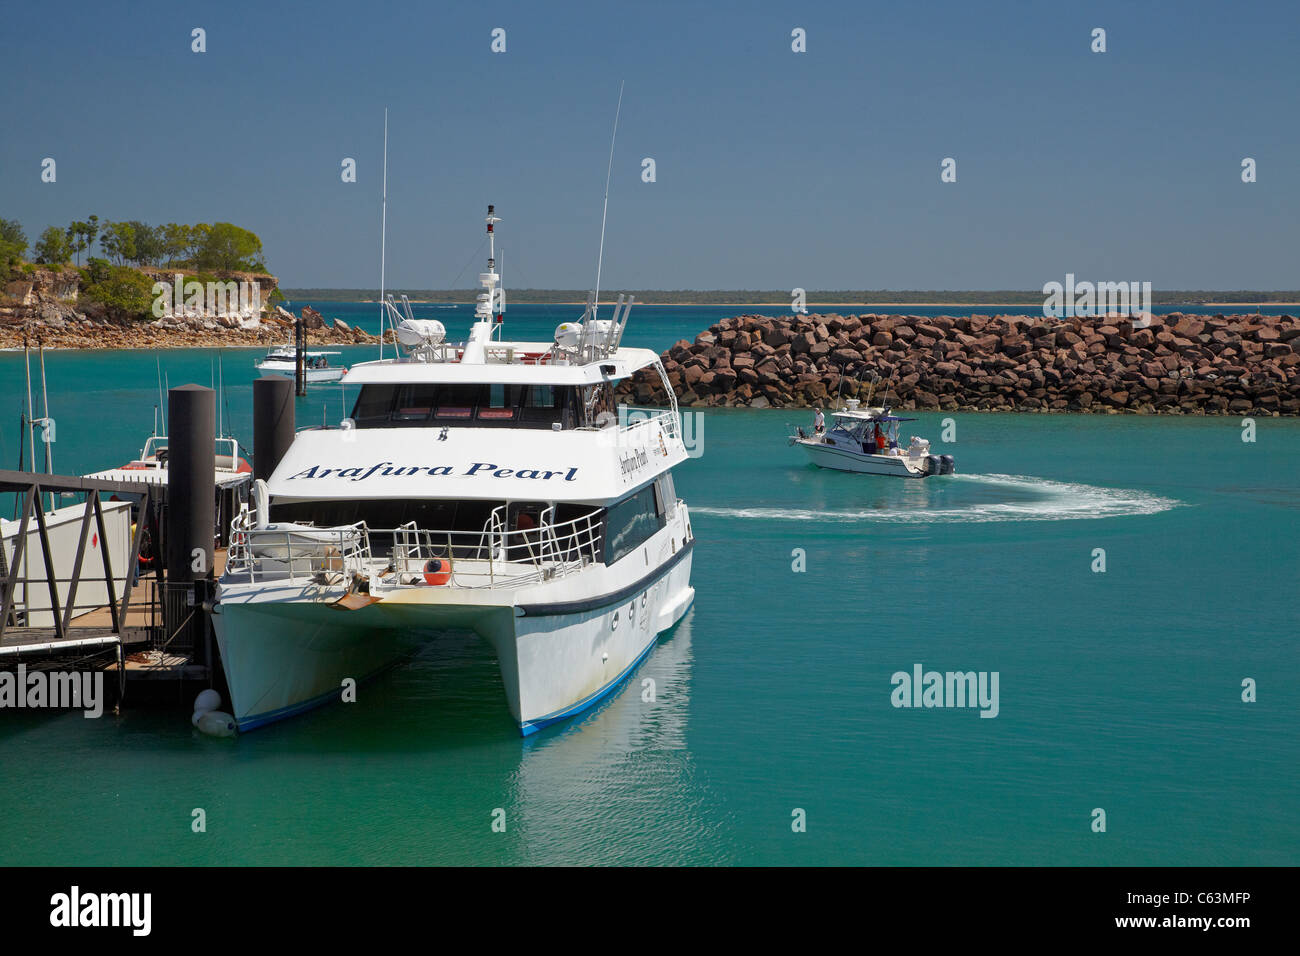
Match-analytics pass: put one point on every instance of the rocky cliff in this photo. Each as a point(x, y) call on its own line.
point(59, 324)
point(1175, 363)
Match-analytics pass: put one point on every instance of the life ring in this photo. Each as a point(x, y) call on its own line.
point(437, 571)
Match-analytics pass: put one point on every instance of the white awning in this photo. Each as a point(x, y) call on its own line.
point(394, 372)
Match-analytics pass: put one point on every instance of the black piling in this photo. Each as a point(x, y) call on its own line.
point(191, 513)
point(273, 423)
point(300, 356)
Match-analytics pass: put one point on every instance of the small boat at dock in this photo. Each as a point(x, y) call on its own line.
point(317, 369)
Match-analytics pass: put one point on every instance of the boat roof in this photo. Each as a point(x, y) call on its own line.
point(509, 363)
point(153, 475)
point(869, 415)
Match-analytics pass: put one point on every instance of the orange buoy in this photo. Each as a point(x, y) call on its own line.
point(437, 571)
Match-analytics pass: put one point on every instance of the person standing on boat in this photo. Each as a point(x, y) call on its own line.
point(819, 421)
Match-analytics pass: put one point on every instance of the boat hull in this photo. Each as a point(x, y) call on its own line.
point(285, 654)
point(314, 375)
point(828, 456)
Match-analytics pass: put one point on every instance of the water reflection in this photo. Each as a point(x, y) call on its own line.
point(620, 784)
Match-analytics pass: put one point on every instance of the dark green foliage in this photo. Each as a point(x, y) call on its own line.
point(13, 242)
point(53, 247)
point(226, 247)
point(121, 288)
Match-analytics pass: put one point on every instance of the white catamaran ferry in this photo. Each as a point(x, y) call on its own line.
point(485, 485)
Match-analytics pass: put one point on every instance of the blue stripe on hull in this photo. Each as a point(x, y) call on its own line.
point(330, 696)
point(528, 727)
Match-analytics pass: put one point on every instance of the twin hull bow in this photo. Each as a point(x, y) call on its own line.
point(562, 645)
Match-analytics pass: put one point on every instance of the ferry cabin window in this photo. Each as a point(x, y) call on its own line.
point(415, 403)
point(502, 402)
point(374, 405)
point(476, 405)
point(631, 522)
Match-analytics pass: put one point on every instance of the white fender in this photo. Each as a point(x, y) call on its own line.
point(207, 700)
point(216, 724)
point(262, 503)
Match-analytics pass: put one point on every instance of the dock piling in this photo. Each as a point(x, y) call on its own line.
point(273, 423)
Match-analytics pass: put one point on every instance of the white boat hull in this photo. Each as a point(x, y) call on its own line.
point(842, 459)
point(286, 651)
point(314, 375)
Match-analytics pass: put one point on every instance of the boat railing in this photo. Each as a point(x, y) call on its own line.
point(648, 416)
point(495, 556)
point(490, 557)
point(295, 550)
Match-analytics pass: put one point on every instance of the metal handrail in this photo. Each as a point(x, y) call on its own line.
point(666, 418)
point(513, 557)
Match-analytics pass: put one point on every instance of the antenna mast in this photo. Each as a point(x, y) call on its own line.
point(491, 301)
point(383, 237)
point(600, 258)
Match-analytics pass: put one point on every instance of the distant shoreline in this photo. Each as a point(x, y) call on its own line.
point(1172, 306)
point(781, 298)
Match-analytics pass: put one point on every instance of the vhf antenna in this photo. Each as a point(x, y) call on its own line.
point(383, 238)
point(600, 258)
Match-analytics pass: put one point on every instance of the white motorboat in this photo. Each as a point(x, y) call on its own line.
point(486, 485)
point(151, 466)
point(283, 361)
point(231, 475)
point(865, 440)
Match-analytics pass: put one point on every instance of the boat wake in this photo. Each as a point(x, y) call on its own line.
point(1028, 499)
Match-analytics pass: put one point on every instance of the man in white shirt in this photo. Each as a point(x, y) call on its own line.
point(819, 421)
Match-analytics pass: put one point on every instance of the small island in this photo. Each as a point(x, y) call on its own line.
point(168, 286)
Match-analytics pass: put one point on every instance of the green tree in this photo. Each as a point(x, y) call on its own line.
point(76, 242)
point(92, 231)
point(82, 235)
point(53, 247)
point(118, 242)
point(148, 243)
point(196, 236)
point(13, 241)
point(175, 240)
point(226, 247)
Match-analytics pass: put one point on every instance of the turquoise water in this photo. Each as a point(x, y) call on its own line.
point(1119, 690)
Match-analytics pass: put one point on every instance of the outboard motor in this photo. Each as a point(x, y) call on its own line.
point(949, 464)
point(935, 464)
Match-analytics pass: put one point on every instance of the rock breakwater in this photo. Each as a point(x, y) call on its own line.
point(1167, 364)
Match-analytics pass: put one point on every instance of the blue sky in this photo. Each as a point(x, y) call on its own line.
point(774, 169)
